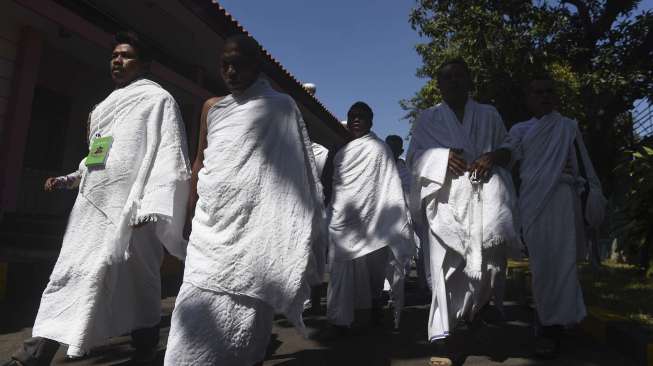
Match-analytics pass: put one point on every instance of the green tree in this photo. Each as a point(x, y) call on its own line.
point(601, 52)
point(634, 225)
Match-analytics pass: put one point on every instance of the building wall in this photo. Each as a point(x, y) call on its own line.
point(72, 65)
point(66, 90)
point(9, 33)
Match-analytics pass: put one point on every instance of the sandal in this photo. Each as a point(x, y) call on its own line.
point(440, 361)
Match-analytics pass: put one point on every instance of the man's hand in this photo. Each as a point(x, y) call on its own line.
point(457, 164)
point(483, 166)
point(50, 184)
point(139, 225)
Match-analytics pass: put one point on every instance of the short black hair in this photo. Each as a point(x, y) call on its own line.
point(452, 61)
point(363, 106)
point(247, 45)
point(394, 138)
point(536, 75)
point(131, 38)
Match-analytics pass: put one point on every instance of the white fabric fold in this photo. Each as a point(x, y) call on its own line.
point(466, 217)
point(551, 212)
point(107, 278)
point(463, 224)
point(258, 229)
point(147, 163)
point(405, 175)
point(320, 153)
point(552, 137)
point(367, 210)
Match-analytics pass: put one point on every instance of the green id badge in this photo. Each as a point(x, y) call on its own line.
point(99, 152)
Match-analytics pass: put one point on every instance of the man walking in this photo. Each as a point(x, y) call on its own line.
point(132, 191)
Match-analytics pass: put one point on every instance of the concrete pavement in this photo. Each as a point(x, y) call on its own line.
point(493, 343)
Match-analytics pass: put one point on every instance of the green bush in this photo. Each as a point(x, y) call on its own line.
point(637, 227)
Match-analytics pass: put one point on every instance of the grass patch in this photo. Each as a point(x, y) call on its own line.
point(617, 288)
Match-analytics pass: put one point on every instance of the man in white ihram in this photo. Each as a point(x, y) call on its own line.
point(369, 224)
point(464, 199)
point(256, 245)
point(554, 170)
point(107, 280)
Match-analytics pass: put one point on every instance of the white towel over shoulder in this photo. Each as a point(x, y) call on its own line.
point(258, 229)
point(466, 217)
point(367, 210)
point(147, 171)
point(106, 281)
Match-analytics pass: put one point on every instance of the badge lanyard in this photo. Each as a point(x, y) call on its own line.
point(100, 146)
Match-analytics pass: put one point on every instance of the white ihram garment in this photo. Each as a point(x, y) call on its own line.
point(404, 175)
point(466, 226)
point(258, 230)
point(320, 153)
point(367, 213)
point(106, 281)
point(550, 211)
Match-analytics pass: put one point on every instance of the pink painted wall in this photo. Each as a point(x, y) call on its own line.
point(28, 58)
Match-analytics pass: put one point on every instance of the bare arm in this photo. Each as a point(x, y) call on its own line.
point(457, 164)
point(198, 163)
point(70, 181)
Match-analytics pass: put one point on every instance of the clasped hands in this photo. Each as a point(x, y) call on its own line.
point(482, 166)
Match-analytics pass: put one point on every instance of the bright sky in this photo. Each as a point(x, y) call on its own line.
point(352, 50)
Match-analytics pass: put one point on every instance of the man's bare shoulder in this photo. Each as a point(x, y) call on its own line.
point(211, 102)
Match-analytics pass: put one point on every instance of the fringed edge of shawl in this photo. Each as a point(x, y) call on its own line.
point(494, 241)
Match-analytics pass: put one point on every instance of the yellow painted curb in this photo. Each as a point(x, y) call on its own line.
point(605, 315)
point(518, 264)
point(596, 322)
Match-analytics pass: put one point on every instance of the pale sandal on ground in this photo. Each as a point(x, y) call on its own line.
point(440, 361)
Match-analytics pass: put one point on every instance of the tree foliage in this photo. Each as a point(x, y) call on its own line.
point(636, 229)
point(601, 52)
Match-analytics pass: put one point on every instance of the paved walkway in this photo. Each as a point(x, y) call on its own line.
point(494, 343)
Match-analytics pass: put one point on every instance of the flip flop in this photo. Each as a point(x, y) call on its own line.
point(440, 361)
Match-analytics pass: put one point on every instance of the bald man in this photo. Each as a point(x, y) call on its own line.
point(256, 237)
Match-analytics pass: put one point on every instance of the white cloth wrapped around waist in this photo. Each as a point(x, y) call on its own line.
point(258, 228)
point(473, 217)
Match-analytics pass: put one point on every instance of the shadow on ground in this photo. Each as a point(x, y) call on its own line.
point(491, 342)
